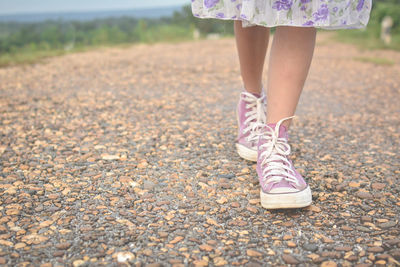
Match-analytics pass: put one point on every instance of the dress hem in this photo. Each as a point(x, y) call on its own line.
point(250, 24)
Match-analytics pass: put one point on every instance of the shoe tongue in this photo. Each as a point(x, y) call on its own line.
point(282, 130)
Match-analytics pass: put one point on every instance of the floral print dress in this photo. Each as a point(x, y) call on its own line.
point(327, 14)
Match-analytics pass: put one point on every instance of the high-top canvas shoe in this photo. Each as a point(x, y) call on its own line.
point(281, 185)
point(251, 112)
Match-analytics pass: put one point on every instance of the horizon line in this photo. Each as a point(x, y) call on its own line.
point(88, 10)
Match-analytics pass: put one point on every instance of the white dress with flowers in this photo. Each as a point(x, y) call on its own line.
point(327, 14)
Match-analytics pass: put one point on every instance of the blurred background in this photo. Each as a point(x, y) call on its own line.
point(32, 29)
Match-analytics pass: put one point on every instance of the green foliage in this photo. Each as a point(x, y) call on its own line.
point(19, 41)
point(205, 26)
point(376, 60)
point(380, 10)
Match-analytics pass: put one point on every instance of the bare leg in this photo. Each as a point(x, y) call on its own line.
point(252, 44)
point(291, 54)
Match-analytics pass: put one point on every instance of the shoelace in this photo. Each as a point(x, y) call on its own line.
point(274, 154)
point(255, 116)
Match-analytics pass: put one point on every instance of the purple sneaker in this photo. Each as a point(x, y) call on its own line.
point(281, 185)
point(251, 113)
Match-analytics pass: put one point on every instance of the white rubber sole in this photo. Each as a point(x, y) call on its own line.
point(246, 153)
point(286, 200)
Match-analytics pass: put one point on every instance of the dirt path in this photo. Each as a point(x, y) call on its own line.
point(127, 155)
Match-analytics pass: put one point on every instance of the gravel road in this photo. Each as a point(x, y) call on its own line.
point(125, 156)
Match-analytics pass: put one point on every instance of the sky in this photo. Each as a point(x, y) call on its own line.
point(45, 6)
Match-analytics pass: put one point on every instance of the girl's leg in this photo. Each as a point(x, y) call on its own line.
point(291, 54)
point(252, 44)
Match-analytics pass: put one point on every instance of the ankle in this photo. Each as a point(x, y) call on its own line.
point(256, 91)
